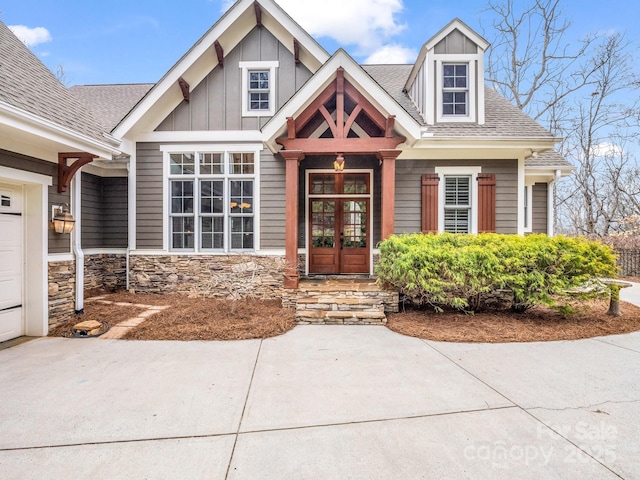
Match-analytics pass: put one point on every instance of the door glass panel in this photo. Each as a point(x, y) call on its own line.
point(355, 224)
point(323, 234)
point(322, 183)
point(356, 183)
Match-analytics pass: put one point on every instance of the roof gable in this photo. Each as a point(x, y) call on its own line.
point(378, 97)
point(206, 53)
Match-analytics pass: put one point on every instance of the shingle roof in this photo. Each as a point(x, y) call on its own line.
point(26, 84)
point(551, 159)
point(502, 119)
point(110, 103)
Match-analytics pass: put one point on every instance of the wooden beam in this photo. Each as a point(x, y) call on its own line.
point(333, 146)
point(314, 106)
point(351, 119)
point(219, 53)
point(371, 111)
point(291, 128)
point(184, 86)
point(258, 10)
point(335, 130)
point(296, 51)
point(292, 159)
point(391, 121)
point(66, 172)
point(340, 103)
point(388, 159)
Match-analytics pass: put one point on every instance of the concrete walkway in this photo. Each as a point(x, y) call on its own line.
point(320, 402)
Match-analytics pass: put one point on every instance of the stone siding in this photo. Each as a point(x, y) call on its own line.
point(62, 291)
point(217, 276)
point(105, 272)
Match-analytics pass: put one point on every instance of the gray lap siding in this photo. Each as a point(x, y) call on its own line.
point(408, 205)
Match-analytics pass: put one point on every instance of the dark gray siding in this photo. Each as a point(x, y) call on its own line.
point(539, 206)
point(408, 191)
point(272, 200)
point(148, 196)
point(104, 211)
point(216, 103)
point(57, 243)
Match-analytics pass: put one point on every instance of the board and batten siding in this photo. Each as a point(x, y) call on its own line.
point(216, 102)
point(149, 183)
point(58, 243)
point(104, 211)
point(408, 203)
point(539, 208)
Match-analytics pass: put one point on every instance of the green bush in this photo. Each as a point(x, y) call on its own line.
point(460, 271)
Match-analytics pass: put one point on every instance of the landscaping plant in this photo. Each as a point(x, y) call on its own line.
point(462, 271)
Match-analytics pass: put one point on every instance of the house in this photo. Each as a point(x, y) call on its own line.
point(258, 159)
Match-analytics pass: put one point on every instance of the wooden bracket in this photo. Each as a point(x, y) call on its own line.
point(258, 10)
point(66, 172)
point(296, 51)
point(219, 52)
point(184, 86)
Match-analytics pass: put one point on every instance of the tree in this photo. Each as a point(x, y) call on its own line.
point(586, 94)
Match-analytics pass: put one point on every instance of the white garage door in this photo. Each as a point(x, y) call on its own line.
point(11, 262)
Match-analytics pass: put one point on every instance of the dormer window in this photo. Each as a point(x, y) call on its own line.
point(455, 89)
point(258, 87)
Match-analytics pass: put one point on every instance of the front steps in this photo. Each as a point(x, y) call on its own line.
point(343, 302)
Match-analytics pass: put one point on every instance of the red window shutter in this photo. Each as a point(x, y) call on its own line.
point(430, 202)
point(486, 202)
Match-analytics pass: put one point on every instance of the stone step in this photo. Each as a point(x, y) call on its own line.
point(337, 317)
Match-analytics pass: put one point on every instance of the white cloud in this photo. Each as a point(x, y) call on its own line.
point(31, 36)
point(392, 53)
point(365, 24)
point(606, 150)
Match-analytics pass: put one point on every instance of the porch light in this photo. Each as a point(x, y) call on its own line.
point(338, 165)
point(63, 221)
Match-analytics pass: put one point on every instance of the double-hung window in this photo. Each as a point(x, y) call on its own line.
point(212, 200)
point(455, 89)
point(457, 203)
point(258, 88)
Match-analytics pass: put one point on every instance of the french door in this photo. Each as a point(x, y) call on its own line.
point(339, 217)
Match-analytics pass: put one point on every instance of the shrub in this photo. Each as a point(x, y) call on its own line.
point(460, 271)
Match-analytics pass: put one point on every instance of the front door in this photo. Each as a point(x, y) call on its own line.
point(339, 233)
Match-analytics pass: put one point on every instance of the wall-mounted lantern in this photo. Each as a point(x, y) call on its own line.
point(63, 221)
point(338, 165)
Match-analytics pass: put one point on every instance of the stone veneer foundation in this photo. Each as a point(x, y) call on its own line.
point(217, 276)
point(105, 271)
point(62, 291)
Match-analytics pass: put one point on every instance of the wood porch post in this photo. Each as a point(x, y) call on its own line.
point(292, 158)
point(388, 159)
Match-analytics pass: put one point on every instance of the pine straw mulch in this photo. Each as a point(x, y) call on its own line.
point(208, 318)
point(113, 314)
point(539, 324)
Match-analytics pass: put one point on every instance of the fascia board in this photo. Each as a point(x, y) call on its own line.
point(37, 126)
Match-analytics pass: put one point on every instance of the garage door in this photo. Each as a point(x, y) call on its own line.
point(11, 262)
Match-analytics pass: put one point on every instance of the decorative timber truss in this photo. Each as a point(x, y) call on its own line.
point(340, 120)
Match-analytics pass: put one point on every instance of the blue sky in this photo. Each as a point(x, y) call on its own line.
point(137, 41)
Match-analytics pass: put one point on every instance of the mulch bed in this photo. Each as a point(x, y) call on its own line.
point(536, 325)
point(113, 314)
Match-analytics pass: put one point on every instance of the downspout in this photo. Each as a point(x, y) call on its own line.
point(551, 186)
point(76, 241)
point(128, 226)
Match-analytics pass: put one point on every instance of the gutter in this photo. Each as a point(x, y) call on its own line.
point(76, 242)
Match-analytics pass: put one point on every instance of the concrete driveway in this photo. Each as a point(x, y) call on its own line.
point(320, 402)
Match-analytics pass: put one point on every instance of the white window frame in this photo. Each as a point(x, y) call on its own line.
point(472, 87)
point(247, 67)
point(527, 207)
point(227, 177)
point(472, 172)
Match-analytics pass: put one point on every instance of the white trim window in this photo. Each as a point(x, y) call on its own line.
point(212, 200)
point(458, 199)
point(258, 88)
point(455, 89)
